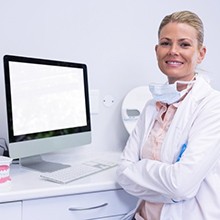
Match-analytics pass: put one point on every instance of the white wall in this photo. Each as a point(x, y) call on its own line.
point(115, 38)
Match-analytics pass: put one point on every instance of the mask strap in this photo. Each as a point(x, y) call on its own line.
point(187, 82)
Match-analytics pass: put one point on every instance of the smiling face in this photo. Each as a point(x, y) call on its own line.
point(178, 51)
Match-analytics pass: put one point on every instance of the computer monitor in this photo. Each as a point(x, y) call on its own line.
point(47, 105)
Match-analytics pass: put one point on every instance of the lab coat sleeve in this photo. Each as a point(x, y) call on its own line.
point(130, 159)
point(161, 182)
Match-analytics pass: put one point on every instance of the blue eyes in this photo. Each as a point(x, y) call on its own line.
point(182, 44)
point(164, 43)
point(185, 45)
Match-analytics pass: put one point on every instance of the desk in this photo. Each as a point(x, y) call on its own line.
point(95, 197)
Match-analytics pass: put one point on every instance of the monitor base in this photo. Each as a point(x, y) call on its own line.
point(38, 164)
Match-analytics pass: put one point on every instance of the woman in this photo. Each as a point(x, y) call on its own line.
point(171, 161)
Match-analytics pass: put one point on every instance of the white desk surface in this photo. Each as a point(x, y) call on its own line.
point(27, 184)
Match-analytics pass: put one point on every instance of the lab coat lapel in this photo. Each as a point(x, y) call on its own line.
point(178, 132)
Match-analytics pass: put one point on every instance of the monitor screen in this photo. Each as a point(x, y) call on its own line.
point(47, 105)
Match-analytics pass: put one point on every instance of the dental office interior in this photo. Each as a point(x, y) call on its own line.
point(116, 40)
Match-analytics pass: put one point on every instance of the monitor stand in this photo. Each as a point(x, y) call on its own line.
point(38, 164)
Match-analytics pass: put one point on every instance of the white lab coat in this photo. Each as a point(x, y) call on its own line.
point(190, 188)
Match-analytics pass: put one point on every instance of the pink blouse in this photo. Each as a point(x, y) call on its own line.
point(151, 150)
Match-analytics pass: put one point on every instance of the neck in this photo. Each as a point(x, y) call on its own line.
point(181, 85)
point(187, 78)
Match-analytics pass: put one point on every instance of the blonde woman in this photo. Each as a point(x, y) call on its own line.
point(171, 161)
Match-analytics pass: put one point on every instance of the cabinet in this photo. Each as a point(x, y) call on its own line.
point(95, 197)
point(111, 205)
point(11, 210)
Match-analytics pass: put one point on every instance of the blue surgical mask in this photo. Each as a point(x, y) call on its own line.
point(168, 93)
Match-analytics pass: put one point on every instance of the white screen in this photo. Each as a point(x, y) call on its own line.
point(46, 98)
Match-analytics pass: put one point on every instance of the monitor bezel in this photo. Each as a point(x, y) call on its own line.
point(21, 139)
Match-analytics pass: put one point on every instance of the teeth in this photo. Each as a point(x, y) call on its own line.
point(4, 173)
point(173, 62)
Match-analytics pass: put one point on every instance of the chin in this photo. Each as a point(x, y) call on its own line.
point(174, 72)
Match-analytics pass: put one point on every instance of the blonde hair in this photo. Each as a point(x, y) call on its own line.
point(186, 17)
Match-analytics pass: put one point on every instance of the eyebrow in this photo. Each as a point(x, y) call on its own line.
point(181, 39)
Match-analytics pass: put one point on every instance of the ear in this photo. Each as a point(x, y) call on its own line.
point(156, 47)
point(202, 53)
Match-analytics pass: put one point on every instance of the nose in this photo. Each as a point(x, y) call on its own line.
point(173, 50)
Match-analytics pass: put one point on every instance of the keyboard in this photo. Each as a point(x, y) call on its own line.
point(77, 171)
